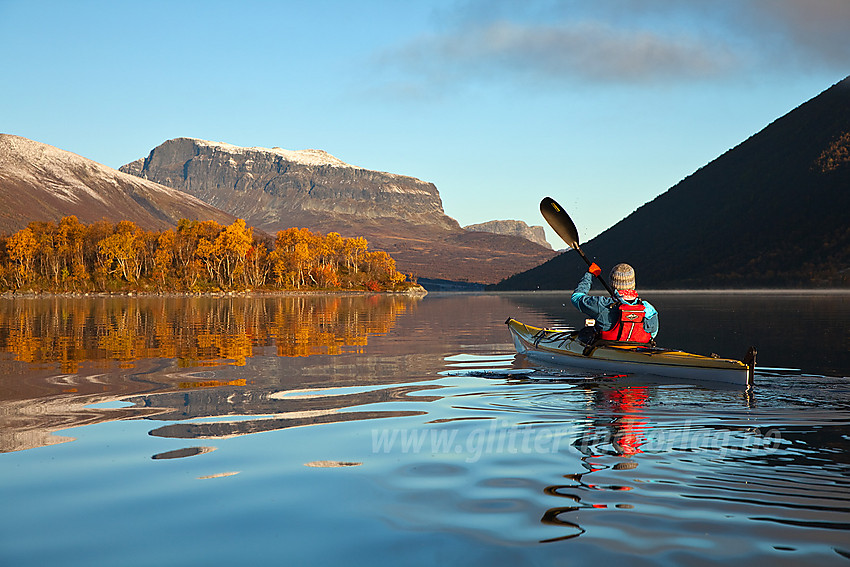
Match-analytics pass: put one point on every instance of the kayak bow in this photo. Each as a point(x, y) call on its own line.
point(564, 348)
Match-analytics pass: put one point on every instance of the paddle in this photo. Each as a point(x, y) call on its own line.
point(561, 223)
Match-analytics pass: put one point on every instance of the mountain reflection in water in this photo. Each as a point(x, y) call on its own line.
point(260, 411)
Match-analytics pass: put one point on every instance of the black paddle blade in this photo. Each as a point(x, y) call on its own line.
point(560, 221)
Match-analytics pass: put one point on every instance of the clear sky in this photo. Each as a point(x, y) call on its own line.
point(602, 104)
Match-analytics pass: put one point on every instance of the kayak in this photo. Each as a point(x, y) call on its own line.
point(564, 348)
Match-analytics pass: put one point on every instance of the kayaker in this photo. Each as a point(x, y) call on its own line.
point(623, 318)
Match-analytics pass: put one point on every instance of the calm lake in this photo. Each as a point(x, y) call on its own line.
point(382, 430)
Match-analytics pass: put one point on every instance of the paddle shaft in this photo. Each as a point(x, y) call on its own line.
point(561, 223)
point(599, 277)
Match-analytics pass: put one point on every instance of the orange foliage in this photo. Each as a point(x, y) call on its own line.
point(197, 256)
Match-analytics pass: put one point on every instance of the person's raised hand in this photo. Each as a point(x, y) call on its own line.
point(595, 270)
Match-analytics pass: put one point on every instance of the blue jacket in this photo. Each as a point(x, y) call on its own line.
point(598, 307)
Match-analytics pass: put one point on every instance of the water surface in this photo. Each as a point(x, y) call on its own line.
point(394, 430)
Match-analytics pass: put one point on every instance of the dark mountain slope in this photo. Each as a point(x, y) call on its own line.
point(772, 212)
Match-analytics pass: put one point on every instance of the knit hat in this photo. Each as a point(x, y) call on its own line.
point(623, 277)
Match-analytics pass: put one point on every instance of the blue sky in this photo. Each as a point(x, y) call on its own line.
point(602, 105)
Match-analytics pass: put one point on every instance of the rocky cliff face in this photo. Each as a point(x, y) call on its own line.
point(535, 233)
point(274, 189)
point(271, 187)
point(39, 182)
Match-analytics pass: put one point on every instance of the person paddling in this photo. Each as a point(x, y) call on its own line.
point(623, 318)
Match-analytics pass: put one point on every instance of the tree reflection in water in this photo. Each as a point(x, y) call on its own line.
point(197, 331)
point(60, 355)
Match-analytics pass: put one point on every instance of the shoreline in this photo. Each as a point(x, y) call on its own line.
point(413, 292)
point(706, 291)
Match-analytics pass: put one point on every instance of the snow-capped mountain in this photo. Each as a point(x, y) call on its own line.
point(39, 182)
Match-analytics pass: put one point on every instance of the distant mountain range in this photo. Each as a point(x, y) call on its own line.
point(273, 189)
point(42, 183)
point(772, 212)
point(512, 228)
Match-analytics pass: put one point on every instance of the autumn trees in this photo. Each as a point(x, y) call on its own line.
point(194, 256)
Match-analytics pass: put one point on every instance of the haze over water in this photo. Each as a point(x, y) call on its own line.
point(394, 430)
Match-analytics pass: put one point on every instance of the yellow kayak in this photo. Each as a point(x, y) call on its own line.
point(564, 348)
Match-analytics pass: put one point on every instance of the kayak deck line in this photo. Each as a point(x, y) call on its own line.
point(564, 348)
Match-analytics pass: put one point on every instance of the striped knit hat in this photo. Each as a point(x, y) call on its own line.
point(623, 277)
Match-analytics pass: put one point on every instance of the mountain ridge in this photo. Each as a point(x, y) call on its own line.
point(519, 228)
point(264, 185)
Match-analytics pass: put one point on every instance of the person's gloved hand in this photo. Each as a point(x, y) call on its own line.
point(594, 269)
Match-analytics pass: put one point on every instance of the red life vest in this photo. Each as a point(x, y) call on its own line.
point(629, 328)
